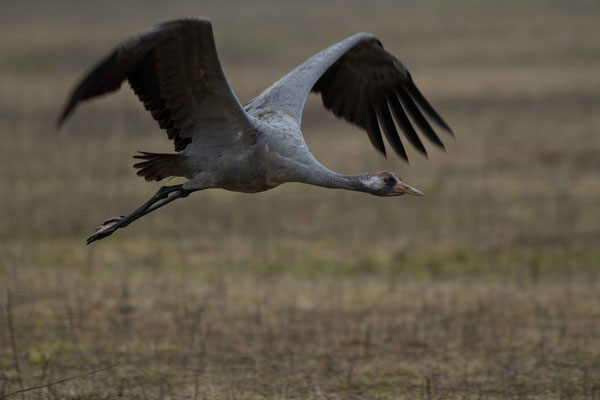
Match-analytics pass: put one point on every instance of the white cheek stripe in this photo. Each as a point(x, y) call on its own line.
point(372, 182)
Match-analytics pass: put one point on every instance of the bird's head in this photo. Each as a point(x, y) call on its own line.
point(387, 184)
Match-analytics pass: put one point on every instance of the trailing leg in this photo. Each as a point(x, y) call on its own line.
point(165, 195)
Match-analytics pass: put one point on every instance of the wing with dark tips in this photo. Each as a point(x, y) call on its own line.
point(365, 85)
point(175, 71)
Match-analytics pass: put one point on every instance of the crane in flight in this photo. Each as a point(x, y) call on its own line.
point(174, 70)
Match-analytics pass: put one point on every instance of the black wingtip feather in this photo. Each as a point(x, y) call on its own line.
point(405, 124)
point(411, 108)
point(63, 115)
point(418, 97)
point(385, 119)
point(373, 131)
point(98, 81)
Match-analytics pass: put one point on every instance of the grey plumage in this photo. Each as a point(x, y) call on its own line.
point(174, 70)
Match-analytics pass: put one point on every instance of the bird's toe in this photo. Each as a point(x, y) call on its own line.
point(112, 220)
point(106, 229)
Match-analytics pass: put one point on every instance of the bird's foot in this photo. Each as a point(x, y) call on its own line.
point(107, 228)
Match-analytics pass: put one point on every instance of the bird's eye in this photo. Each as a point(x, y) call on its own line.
point(389, 181)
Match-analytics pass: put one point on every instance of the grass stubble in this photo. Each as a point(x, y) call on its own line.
point(486, 288)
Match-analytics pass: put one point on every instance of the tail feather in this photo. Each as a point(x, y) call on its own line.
point(157, 166)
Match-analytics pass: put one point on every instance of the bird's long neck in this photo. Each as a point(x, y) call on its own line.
point(319, 175)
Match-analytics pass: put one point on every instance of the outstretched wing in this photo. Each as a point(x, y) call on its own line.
point(364, 84)
point(175, 71)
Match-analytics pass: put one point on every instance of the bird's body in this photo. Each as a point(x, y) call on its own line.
point(174, 69)
point(259, 161)
point(273, 152)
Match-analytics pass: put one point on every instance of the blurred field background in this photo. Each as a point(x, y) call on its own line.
point(488, 287)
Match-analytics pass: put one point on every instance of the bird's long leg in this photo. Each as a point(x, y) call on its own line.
point(165, 195)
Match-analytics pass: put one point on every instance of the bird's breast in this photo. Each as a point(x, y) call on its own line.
point(249, 174)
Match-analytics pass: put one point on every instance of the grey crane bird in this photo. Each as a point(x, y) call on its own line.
point(175, 71)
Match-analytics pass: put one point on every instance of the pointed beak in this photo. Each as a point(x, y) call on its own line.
point(403, 188)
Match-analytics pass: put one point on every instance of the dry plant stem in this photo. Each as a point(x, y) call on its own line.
point(29, 389)
point(13, 342)
point(45, 367)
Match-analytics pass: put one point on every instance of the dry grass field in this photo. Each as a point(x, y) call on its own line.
point(487, 288)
